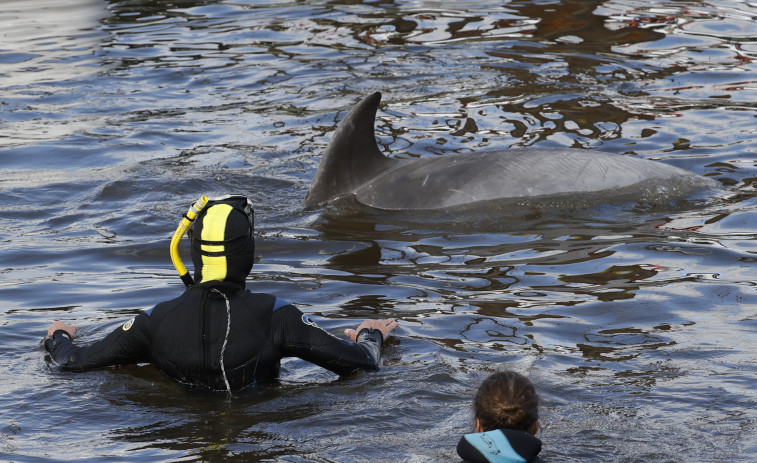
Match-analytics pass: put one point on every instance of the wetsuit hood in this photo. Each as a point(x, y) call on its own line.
point(499, 446)
point(222, 242)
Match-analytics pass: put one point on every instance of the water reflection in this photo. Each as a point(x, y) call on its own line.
point(533, 64)
point(615, 283)
point(629, 317)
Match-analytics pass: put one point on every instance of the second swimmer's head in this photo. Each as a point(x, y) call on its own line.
point(506, 400)
point(222, 242)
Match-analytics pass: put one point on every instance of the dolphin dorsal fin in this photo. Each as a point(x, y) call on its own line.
point(352, 157)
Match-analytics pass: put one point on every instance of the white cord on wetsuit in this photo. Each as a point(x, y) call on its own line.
point(226, 339)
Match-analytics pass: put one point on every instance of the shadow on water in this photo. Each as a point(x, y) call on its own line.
point(295, 420)
point(421, 263)
point(210, 427)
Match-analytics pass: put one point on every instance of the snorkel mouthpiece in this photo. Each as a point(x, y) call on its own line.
point(194, 209)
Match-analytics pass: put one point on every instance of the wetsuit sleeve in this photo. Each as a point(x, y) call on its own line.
point(129, 343)
point(304, 339)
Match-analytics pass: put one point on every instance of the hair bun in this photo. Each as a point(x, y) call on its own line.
point(506, 400)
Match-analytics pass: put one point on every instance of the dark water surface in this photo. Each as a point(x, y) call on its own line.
point(635, 321)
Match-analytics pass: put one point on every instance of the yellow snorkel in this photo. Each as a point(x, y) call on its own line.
point(194, 209)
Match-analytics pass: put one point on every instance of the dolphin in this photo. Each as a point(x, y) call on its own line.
point(353, 165)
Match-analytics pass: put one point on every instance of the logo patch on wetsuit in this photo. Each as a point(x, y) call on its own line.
point(306, 320)
point(128, 324)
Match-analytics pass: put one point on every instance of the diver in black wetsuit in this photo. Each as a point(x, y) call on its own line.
point(506, 407)
point(218, 335)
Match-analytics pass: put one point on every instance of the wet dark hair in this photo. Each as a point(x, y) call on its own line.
point(506, 400)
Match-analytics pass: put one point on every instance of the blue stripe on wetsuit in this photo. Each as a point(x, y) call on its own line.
point(279, 303)
point(494, 446)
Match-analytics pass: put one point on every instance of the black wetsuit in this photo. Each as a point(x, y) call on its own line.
point(184, 338)
point(500, 446)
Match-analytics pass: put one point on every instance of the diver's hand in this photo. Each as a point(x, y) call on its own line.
point(385, 325)
point(59, 325)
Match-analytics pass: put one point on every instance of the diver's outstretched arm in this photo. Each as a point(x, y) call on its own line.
point(129, 343)
point(300, 337)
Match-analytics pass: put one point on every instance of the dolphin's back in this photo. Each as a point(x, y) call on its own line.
point(353, 165)
point(452, 180)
